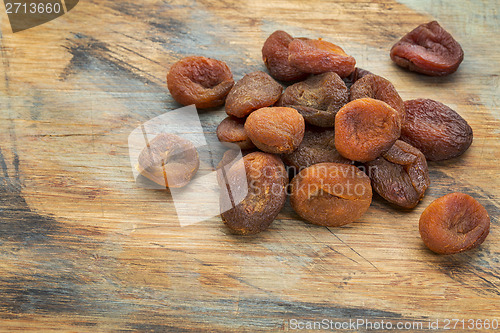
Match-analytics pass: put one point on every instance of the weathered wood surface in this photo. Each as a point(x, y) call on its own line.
point(83, 249)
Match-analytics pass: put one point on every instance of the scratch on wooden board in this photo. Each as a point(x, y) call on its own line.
point(353, 250)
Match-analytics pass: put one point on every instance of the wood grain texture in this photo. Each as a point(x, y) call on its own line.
point(82, 248)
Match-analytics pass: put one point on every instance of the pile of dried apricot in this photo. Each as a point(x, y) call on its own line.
point(335, 133)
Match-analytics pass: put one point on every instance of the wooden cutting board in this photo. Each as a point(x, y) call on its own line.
point(82, 248)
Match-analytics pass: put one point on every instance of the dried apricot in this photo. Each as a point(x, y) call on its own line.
point(428, 49)
point(267, 180)
point(317, 99)
point(254, 91)
point(232, 130)
point(400, 175)
point(366, 128)
point(377, 87)
point(317, 56)
point(331, 194)
point(357, 74)
point(318, 146)
point(169, 160)
point(277, 130)
point(454, 223)
point(435, 129)
point(275, 56)
point(202, 81)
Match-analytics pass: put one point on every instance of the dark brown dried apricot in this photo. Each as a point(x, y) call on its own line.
point(267, 180)
point(428, 49)
point(365, 129)
point(357, 74)
point(202, 81)
point(169, 160)
point(318, 146)
point(275, 56)
point(277, 130)
point(377, 87)
point(331, 194)
point(254, 91)
point(317, 56)
point(400, 175)
point(435, 129)
point(232, 130)
point(454, 223)
point(317, 99)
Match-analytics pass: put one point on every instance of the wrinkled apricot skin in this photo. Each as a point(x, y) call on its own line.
point(277, 130)
point(454, 223)
point(232, 130)
point(275, 55)
point(198, 80)
point(357, 74)
point(436, 130)
point(377, 87)
point(317, 99)
point(317, 56)
point(254, 91)
point(365, 129)
point(169, 160)
point(317, 147)
point(400, 175)
point(331, 194)
point(267, 180)
point(428, 49)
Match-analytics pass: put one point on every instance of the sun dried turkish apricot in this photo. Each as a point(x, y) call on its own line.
point(317, 56)
point(454, 223)
point(317, 99)
point(377, 87)
point(331, 194)
point(202, 81)
point(277, 130)
point(267, 180)
point(435, 129)
point(254, 91)
point(400, 175)
point(169, 160)
point(428, 49)
point(232, 130)
point(366, 128)
point(318, 146)
point(357, 74)
point(275, 55)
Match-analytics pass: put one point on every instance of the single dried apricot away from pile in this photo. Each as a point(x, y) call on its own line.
point(232, 130)
point(454, 223)
point(436, 130)
point(428, 49)
point(275, 55)
point(317, 56)
point(366, 128)
point(198, 80)
point(277, 130)
point(331, 194)
point(400, 175)
point(267, 180)
point(254, 91)
point(377, 87)
point(169, 160)
point(317, 99)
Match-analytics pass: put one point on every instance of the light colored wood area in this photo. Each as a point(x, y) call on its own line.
point(82, 248)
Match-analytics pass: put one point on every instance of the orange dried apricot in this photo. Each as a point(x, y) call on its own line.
point(454, 223)
point(198, 80)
